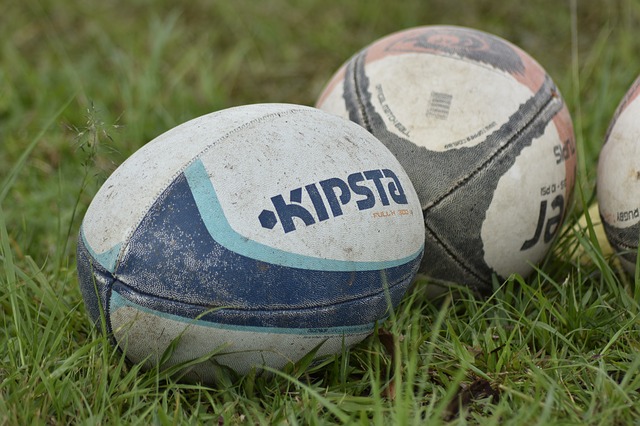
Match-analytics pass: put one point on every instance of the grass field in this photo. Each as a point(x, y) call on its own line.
point(84, 84)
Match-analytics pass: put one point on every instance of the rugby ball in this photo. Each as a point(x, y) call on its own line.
point(249, 237)
point(618, 181)
point(484, 135)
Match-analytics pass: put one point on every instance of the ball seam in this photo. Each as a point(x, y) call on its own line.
point(173, 177)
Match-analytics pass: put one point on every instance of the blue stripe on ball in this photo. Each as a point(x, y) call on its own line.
point(214, 218)
point(355, 312)
point(173, 256)
point(107, 259)
point(119, 301)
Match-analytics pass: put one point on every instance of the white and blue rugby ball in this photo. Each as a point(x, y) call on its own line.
point(250, 236)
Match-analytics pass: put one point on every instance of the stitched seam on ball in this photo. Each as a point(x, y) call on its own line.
point(619, 242)
point(453, 256)
point(107, 309)
point(357, 88)
point(173, 177)
point(266, 309)
point(545, 106)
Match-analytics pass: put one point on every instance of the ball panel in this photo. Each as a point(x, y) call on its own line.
point(515, 238)
point(310, 202)
point(441, 89)
point(173, 255)
point(313, 248)
point(145, 335)
point(142, 177)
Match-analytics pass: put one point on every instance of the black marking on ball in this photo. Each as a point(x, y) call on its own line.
point(623, 240)
point(352, 90)
point(450, 183)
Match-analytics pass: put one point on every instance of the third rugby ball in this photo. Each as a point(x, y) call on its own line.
point(619, 179)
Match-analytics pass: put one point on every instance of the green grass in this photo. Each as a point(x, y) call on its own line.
point(84, 84)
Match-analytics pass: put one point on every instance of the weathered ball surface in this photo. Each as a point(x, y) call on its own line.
point(482, 132)
point(618, 181)
point(250, 237)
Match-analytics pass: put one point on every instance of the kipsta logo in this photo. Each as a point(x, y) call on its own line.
point(364, 188)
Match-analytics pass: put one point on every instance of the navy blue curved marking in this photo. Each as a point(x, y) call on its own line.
point(95, 281)
point(256, 322)
point(172, 257)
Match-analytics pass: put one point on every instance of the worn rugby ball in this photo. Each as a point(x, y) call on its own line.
point(618, 181)
point(482, 132)
point(250, 237)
